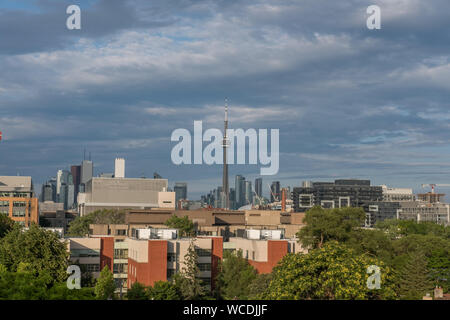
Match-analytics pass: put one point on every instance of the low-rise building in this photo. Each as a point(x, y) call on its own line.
point(17, 200)
point(264, 248)
point(157, 256)
point(120, 193)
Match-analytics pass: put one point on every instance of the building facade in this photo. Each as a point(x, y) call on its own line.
point(337, 194)
point(17, 200)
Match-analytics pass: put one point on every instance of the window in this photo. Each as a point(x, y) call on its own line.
point(19, 208)
point(120, 253)
point(92, 267)
point(121, 232)
point(204, 266)
point(172, 257)
point(84, 253)
point(120, 267)
point(170, 273)
point(203, 252)
point(4, 207)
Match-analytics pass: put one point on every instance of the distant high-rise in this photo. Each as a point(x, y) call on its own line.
point(87, 171)
point(119, 168)
point(248, 193)
point(76, 176)
point(232, 198)
point(275, 191)
point(180, 190)
point(48, 192)
point(239, 187)
point(59, 181)
point(258, 187)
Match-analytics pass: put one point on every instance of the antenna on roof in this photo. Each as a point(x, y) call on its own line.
point(89, 156)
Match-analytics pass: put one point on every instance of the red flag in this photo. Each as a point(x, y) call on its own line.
point(0, 136)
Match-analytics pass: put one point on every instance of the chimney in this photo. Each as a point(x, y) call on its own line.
point(119, 168)
point(283, 200)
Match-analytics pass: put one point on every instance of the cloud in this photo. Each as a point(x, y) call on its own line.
point(347, 100)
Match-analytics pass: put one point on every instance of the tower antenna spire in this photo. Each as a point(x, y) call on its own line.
point(225, 189)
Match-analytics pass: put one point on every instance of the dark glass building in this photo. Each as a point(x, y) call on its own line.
point(337, 194)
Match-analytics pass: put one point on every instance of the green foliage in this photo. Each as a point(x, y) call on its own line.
point(25, 285)
point(137, 292)
point(163, 290)
point(184, 225)
point(105, 287)
point(235, 276)
point(414, 280)
point(6, 224)
point(79, 227)
point(186, 282)
point(331, 272)
point(324, 225)
point(61, 292)
point(259, 285)
point(397, 228)
point(40, 250)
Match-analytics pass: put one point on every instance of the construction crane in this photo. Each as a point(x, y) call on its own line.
point(273, 194)
point(433, 185)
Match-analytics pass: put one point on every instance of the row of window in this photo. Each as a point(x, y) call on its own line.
point(14, 194)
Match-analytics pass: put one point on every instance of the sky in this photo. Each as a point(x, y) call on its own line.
point(349, 102)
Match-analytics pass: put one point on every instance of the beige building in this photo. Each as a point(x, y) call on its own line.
point(120, 193)
point(86, 252)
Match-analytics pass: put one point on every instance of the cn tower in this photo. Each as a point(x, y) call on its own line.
point(225, 189)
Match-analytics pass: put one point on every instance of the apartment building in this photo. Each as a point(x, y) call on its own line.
point(17, 200)
point(94, 253)
point(264, 248)
point(157, 254)
point(85, 252)
point(424, 211)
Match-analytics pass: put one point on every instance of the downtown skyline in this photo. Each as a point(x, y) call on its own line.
point(349, 102)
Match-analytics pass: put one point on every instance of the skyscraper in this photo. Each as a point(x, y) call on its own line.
point(258, 186)
point(275, 191)
point(119, 168)
point(76, 176)
point(180, 190)
point(87, 171)
point(248, 193)
point(239, 187)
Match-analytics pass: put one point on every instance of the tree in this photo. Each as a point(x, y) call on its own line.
point(186, 282)
point(235, 276)
point(23, 285)
point(163, 290)
point(80, 225)
point(259, 285)
point(105, 287)
point(40, 249)
point(138, 292)
point(6, 224)
point(331, 272)
point(184, 225)
point(323, 225)
point(414, 281)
